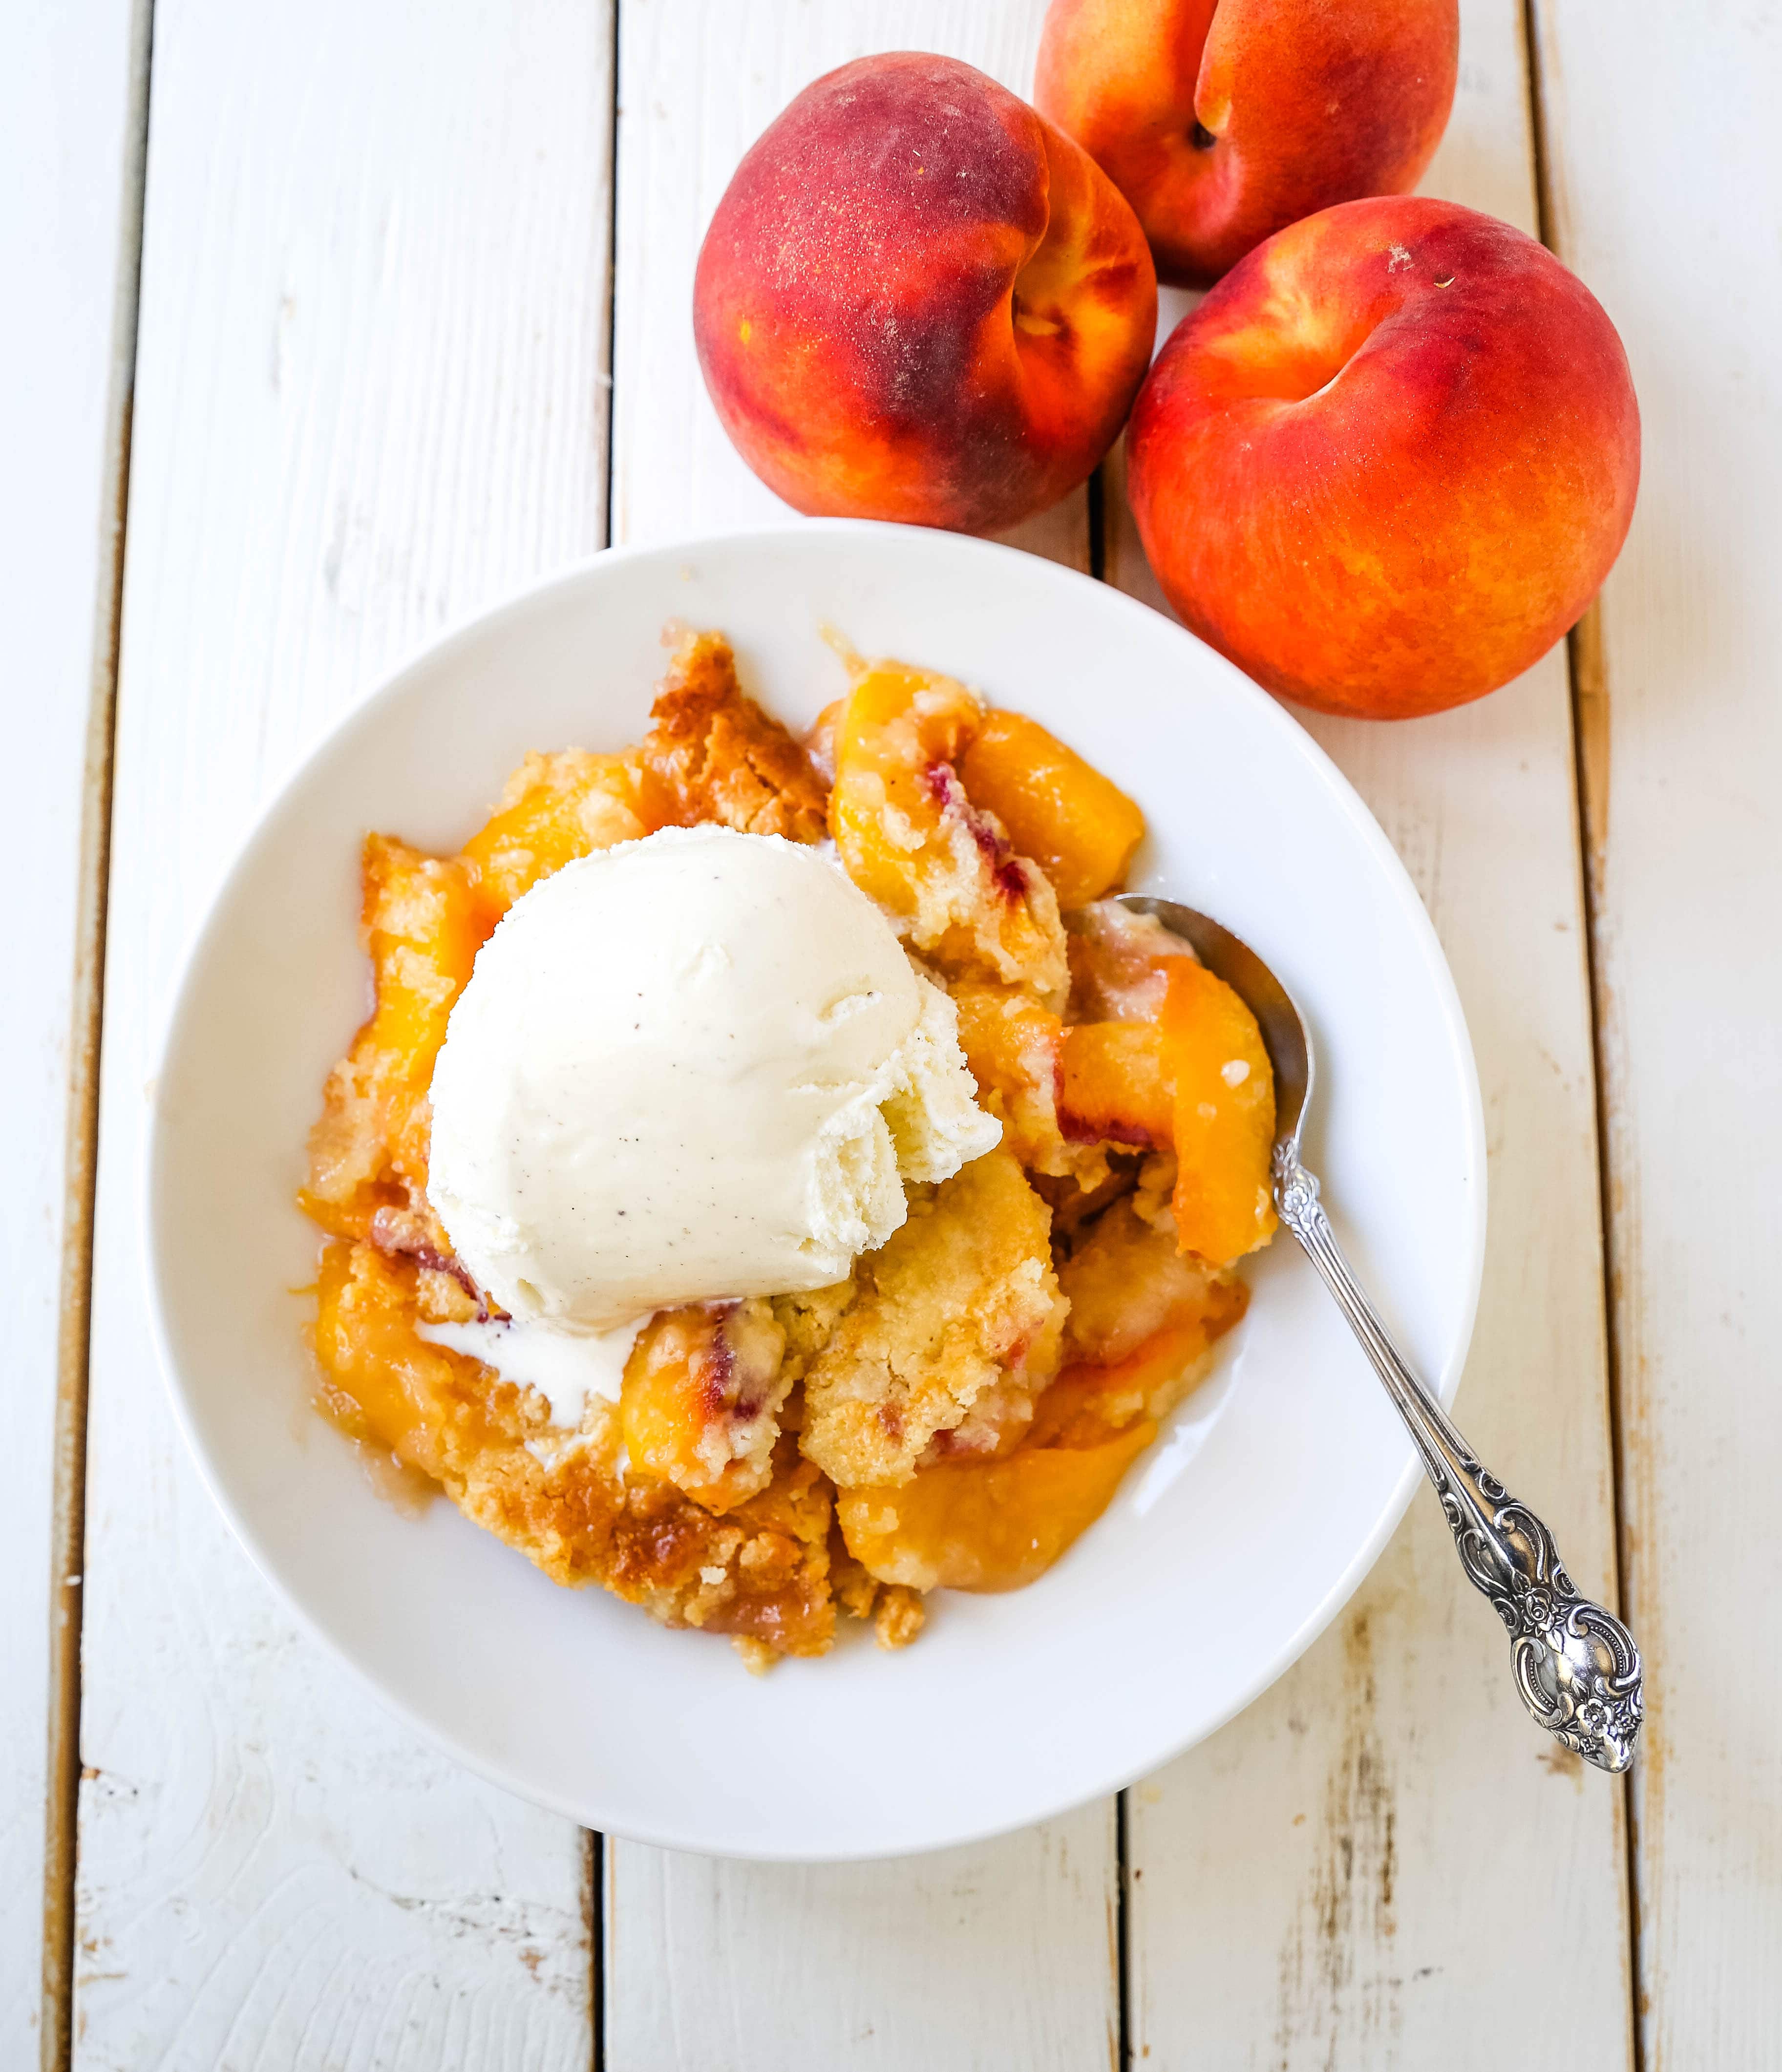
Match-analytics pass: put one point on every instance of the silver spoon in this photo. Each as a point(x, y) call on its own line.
point(1575, 1664)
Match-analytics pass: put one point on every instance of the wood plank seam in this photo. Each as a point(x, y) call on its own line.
point(1122, 1854)
point(1588, 684)
point(593, 1915)
point(1690, 622)
point(1102, 485)
point(608, 536)
point(62, 1725)
point(1590, 728)
point(597, 1842)
point(1097, 489)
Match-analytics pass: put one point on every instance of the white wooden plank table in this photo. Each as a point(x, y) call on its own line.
point(1685, 768)
point(368, 399)
point(70, 209)
point(371, 339)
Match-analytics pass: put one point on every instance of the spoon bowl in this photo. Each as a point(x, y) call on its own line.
point(1285, 1036)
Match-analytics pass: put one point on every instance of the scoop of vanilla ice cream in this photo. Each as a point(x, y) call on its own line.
point(696, 1066)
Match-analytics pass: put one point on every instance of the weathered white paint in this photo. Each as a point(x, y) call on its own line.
point(368, 399)
point(70, 163)
point(1672, 220)
point(373, 328)
point(998, 1955)
point(1382, 1862)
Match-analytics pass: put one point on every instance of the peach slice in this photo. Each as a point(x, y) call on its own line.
point(422, 929)
point(1224, 1117)
point(986, 1524)
point(698, 1405)
point(383, 1384)
point(420, 935)
point(1077, 825)
point(1087, 1404)
point(1143, 1314)
point(1128, 1280)
point(896, 725)
point(1115, 1085)
point(912, 839)
point(555, 808)
point(1012, 1045)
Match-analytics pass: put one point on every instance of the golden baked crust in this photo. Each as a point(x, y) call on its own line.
point(962, 1301)
point(369, 1148)
point(761, 1569)
point(900, 1617)
point(713, 754)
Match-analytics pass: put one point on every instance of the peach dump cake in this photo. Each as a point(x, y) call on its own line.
point(775, 1178)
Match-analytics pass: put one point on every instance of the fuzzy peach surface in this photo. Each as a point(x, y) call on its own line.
point(917, 300)
point(1224, 121)
point(1389, 459)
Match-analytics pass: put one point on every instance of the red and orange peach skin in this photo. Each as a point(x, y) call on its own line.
point(1224, 121)
point(918, 300)
point(1390, 458)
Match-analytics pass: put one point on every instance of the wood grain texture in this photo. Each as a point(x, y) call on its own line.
point(1674, 228)
point(70, 175)
point(1000, 1954)
point(369, 399)
point(1382, 1859)
point(997, 1955)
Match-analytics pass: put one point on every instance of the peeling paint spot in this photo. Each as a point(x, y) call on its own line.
point(1562, 1762)
point(1347, 1911)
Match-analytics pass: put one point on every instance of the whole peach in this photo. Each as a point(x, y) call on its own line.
point(1389, 460)
point(1224, 121)
point(918, 300)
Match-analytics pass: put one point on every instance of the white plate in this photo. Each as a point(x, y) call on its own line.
point(1235, 1539)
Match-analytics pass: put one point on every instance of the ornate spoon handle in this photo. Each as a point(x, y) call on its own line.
point(1575, 1664)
